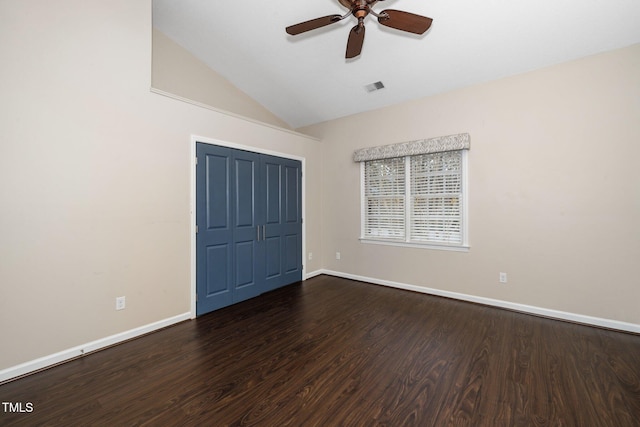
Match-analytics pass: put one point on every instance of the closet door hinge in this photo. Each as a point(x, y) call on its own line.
point(196, 229)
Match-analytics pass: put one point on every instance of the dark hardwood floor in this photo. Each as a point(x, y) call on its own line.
point(335, 352)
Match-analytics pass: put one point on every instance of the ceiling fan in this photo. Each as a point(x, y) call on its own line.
point(397, 19)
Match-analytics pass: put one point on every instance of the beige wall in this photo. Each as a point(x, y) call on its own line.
point(95, 176)
point(554, 188)
point(177, 71)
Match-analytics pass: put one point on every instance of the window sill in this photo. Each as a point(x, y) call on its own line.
point(443, 247)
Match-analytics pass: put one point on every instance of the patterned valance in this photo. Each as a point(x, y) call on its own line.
point(440, 144)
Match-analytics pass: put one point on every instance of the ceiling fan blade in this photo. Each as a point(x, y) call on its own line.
point(355, 42)
point(405, 21)
point(312, 24)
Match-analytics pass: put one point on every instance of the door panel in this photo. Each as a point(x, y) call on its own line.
point(218, 257)
point(247, 210)
point(213, 215)
point(244, 251)
point(292, 252)
point(245, 174)
point(273, 257)
point(283, 265)
point(292, 226)
point(292, 193)
point(217, 181)
point(272, 176)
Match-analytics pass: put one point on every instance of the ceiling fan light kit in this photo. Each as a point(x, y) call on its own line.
point(397, 19)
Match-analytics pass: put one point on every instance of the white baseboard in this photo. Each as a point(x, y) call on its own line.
point(529, 309)
point(314, 274)
point(71, 353)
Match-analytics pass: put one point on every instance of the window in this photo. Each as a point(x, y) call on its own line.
point(415, 200)
point(385, 199)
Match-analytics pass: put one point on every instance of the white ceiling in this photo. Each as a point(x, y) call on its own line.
point(305, 79)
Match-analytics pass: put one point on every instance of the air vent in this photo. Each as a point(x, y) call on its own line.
point(374, 86)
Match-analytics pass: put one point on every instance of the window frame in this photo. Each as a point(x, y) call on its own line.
point(406, 242)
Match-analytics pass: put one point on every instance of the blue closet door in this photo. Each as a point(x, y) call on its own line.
point(272, 241)
point(214, 241)
point(283, 221)
point(248, 212)
point(292, 221)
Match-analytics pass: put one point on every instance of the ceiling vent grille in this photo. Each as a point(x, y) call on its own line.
point(374, 86)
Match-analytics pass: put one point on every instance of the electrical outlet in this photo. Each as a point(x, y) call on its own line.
point(503, 277)
point(337, 255)
point(310, 256)
point(120, 303)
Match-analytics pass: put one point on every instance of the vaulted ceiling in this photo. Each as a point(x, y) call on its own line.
point(305, 79)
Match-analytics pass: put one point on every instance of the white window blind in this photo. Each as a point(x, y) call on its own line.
point(415, 200)
point(436, 198)
point(385, 194)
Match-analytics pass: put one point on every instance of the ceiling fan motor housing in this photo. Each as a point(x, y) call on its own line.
point(360, 9)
